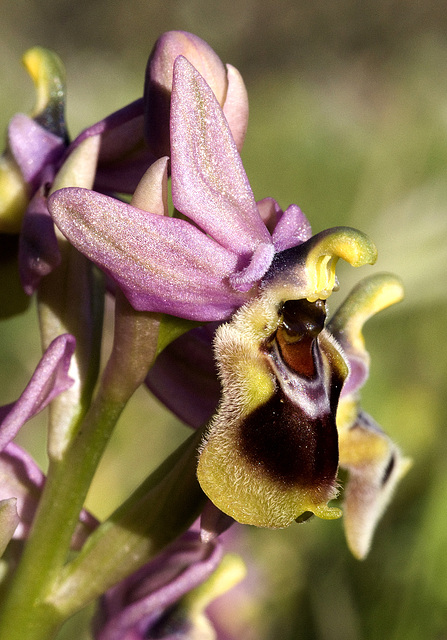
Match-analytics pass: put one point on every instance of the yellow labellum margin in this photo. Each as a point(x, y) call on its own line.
point(271, 451)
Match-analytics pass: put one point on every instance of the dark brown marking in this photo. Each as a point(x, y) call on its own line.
point(388, 470)
point(292, 448)
point(302, 318)
point(301, 322)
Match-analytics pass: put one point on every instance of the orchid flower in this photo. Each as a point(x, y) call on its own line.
point(271, 453)
point(20, 477)
point(375, 464)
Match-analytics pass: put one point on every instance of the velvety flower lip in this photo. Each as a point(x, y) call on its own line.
point(201, 271)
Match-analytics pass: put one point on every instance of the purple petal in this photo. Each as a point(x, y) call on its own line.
point(33, 147)
point(123, 175)
point(158, 82)
point(184, 377)
point(38, 247)
point(235, 107)
point(49, 380)
point(270, 212)
point(262, 258)
point(358, 372)
point(292, 229)
point(120, 132)
point(123, 155)
point(162, 264)
point(209, 183)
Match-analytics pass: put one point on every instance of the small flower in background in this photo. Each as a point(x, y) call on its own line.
point(167, 598)
point(34, 144)
point(34, 148)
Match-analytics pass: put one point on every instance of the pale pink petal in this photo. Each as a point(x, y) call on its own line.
point(292, 229)
point(33, 147)
point(209, 184)
point(235, 107)
point(162, 264)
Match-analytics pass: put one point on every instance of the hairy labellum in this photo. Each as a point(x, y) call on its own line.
point(273, 445)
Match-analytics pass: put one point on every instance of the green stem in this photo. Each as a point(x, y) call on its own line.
point(162, 508)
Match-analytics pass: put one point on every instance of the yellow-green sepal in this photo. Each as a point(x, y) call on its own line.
point(371, 295)
point(48, 74)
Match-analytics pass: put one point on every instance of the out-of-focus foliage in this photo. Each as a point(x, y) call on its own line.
point(349, 120)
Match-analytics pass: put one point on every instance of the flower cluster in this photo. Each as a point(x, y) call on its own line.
point(220, 309)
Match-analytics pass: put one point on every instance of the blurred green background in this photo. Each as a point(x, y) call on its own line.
point(349, 120)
